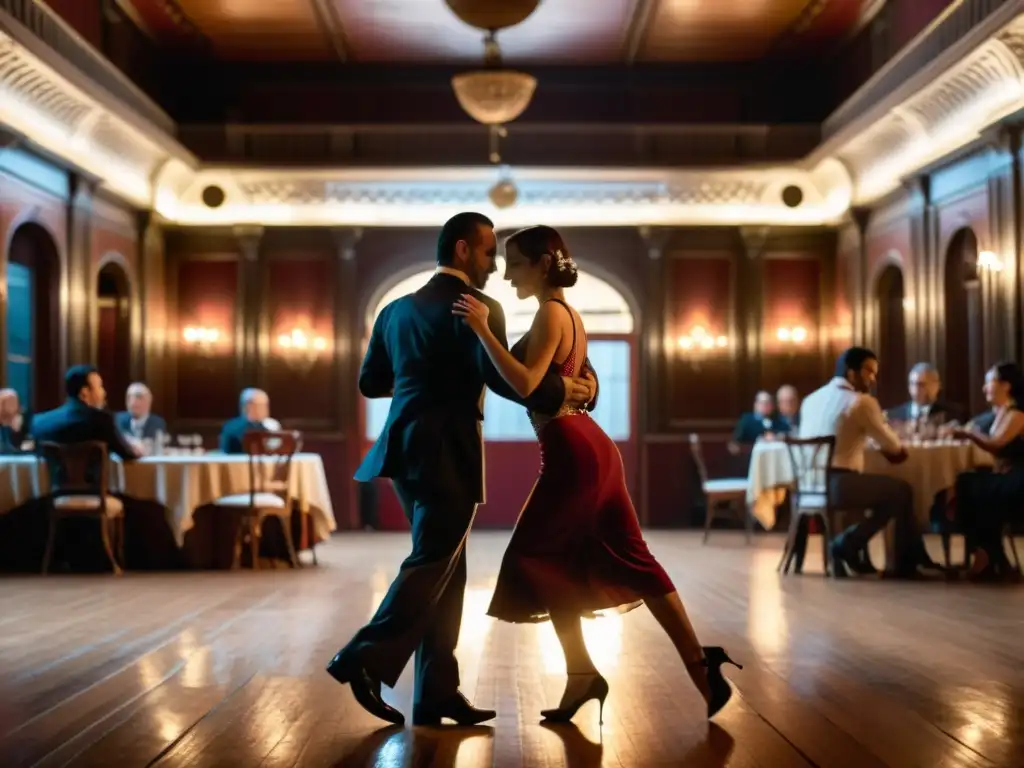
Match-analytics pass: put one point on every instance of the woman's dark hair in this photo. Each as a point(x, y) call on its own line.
point(1011, 374)
point(534, 242)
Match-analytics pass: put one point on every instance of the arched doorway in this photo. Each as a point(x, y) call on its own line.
point(511, 445)
point(963, 363)
point(113, 330)
point(892, 337)
point(33, 318)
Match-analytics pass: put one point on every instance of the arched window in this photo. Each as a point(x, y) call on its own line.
point(609, 322)
point(33, 313)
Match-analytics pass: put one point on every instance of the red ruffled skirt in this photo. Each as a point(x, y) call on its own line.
point(577, 546)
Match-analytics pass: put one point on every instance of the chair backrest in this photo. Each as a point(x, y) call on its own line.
point(811, 461)
point(76, 468)
point(698, 456)
point(270, 459)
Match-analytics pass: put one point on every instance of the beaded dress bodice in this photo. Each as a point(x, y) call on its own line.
point(565, 368)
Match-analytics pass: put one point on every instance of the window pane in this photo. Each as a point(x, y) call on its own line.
point(505, 420)
point(19, 332)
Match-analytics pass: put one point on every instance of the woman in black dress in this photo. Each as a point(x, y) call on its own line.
point(987, 501)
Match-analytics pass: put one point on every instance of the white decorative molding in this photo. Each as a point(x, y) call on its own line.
point(939, 111)
point(122, 150)
point(947, 105)
point(561, 196)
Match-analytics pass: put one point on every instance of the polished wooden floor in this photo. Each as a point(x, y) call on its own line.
point(226, 669)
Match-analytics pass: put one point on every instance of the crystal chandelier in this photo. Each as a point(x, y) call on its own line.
point(493, 95)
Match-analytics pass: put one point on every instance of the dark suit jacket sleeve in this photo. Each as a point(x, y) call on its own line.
point(227, 440)
point(740, 433)
point(550, 393)
point(899, 413)
point(376, 375)
point(114, 438)
point(159, 424)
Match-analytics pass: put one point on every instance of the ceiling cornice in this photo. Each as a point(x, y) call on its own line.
point(977, 83)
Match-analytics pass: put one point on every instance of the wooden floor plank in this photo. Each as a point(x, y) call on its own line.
point(215, 669)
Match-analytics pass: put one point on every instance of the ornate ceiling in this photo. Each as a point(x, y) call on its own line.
point(560, 31)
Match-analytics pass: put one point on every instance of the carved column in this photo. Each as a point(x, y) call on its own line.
point(149, 359)
point(999, 289)
point(749, 341)
point(249, 320)
point(81, 291)
point(860, 218)
point(348, 332)
point(653, 318)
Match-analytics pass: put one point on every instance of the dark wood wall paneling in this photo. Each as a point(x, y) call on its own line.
point(957, 317)
point(672, 279)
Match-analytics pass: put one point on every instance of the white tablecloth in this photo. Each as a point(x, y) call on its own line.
point(180, 483)
point(931, 468)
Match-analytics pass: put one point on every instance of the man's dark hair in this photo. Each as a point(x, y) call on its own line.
point(853, 359)
point(461, 226)
point(77, 378)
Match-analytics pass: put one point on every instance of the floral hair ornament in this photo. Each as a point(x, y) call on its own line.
point(564, 261)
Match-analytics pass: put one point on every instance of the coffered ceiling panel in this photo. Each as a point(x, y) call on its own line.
point(558, 32)
point(260, 28)
point(426, 30)
point(719, 30)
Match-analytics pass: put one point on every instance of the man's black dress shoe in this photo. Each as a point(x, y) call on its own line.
point(364, 688)
point(456, 708)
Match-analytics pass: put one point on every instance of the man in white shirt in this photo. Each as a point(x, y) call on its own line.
point(845, 409)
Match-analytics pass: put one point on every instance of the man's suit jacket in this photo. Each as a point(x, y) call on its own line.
point(232, 432)
point(11, 439)
point(983, 421)
point(751, 426)
point(434, 368)
point(76, 422)
point(154, 425)
point(939, 413)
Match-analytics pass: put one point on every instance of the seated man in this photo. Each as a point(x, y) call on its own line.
point(254, 405)
point(759, 423)
point(843, 408)
point(138, 420)
point(15, 426)
point(924, 406)
point(788, 402)
point(82, 418)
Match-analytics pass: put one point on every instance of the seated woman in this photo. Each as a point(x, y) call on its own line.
point(987, 501)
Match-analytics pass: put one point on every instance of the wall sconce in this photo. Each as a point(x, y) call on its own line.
point(990, 262)
point(301, 349)
point(908, 304)
point(201, 338)
point(699, 343)
point(795, 335)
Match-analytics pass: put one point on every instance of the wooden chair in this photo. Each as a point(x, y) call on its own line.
point(79, 476)
point(270, 464)
point(720, 493)
point(811, 463)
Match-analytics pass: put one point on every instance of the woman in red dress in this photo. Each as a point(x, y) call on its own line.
point(577, 548)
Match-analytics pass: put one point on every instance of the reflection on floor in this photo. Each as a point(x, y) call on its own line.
point(226, 669)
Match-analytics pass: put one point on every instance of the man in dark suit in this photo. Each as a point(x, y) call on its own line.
point(139, 421)
point(81, 418)
point(754, 425)
point(787, 400)
point(15, 425)
point(434, 368)
point(924, 407)
point(254, 405)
